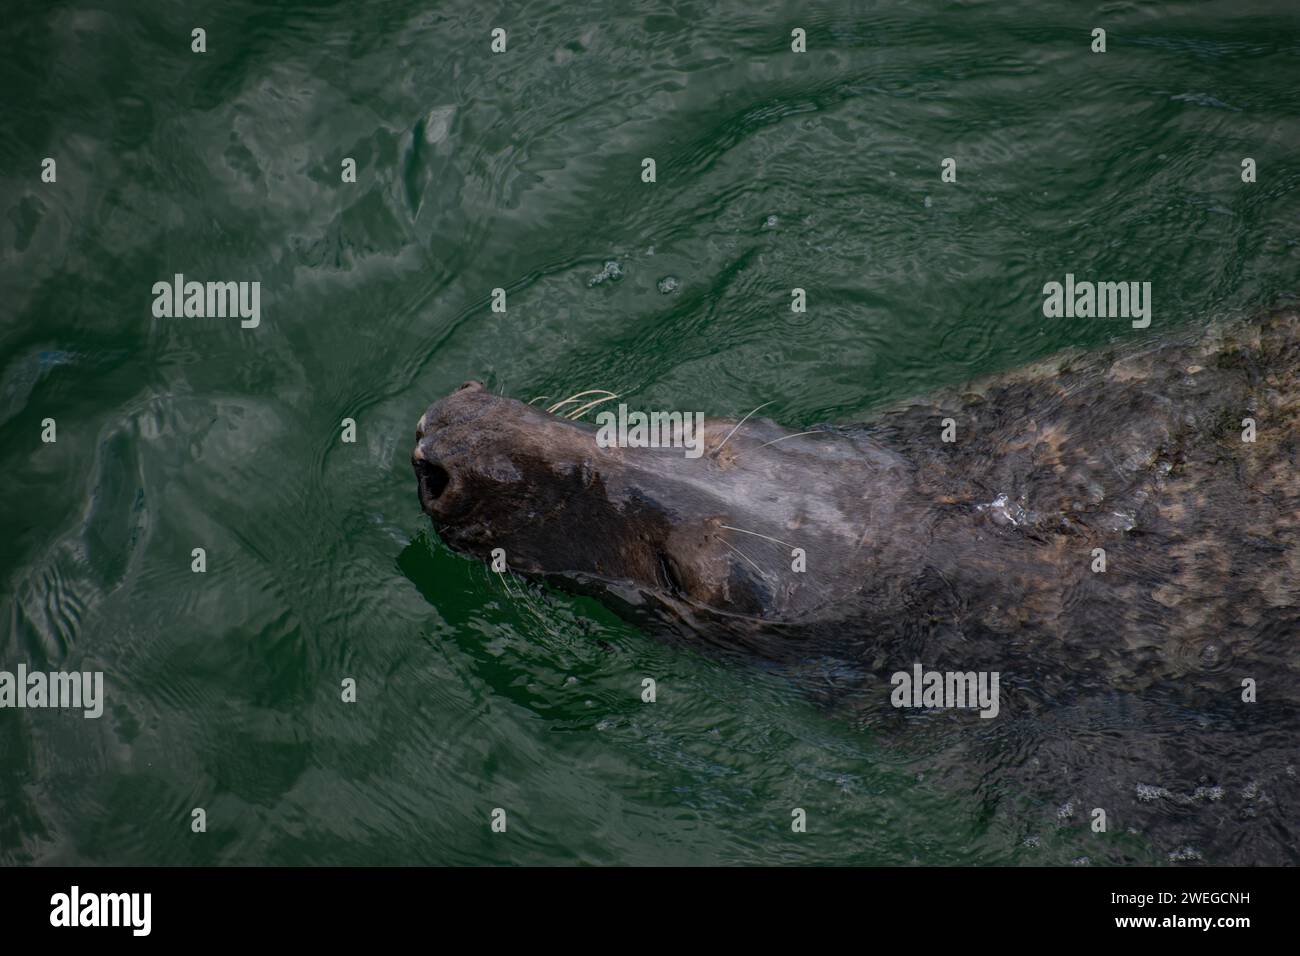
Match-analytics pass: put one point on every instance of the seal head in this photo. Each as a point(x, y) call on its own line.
point(714, 536)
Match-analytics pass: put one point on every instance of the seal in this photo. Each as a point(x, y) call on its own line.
point(1126, 521)
point(1137, 452)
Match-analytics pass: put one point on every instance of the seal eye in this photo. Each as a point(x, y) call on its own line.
point(668, 569)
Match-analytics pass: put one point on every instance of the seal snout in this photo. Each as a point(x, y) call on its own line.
point(423, 426)
point(439, 439)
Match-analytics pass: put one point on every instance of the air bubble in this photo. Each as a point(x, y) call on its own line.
point(612, 272)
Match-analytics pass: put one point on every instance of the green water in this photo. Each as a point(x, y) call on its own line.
point(522, 171)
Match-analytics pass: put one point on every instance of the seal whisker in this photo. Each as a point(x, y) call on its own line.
point(527, 600)
point(815, 431)
point(588, 407)
point(537, 399)
point(746, 557)
point(757, 535)
point(531, 600)
point(738, 424)
point(506, 586)
point(784, 437)
point(574, 398)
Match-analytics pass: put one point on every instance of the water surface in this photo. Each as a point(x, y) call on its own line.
point(522, 171)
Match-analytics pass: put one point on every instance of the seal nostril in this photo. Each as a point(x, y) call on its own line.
point(433, 479)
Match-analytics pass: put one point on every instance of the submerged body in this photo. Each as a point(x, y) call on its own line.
point(1125, 522)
